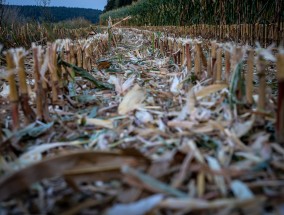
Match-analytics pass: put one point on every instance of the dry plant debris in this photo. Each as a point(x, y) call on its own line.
point(154, 125)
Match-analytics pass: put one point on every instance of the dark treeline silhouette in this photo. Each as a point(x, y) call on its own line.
point(55, 14)
point(114, 4)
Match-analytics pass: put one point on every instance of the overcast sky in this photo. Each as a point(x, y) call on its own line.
point(95, 4)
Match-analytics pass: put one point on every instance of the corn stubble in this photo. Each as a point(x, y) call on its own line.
point(188, 104)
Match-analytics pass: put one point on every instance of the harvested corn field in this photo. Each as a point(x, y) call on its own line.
point(139, 122)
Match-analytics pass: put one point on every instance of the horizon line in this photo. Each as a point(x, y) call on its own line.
point(51, 6)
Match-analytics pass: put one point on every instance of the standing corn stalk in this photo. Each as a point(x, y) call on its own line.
point(244, 14)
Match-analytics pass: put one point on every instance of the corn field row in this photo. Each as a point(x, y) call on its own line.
point(54, 70)
point(238, 20)
point(169, 12)
point(222, 62)
point(23, 35)
point(56, 66)
point(243, 33)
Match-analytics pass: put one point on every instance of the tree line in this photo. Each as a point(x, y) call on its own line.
point(50, 14)
point(114, 4)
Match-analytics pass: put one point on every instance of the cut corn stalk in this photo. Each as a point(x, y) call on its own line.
point(219, 66)
point(188, 57)
point(38, 83)
point(52, 66)
point(249, 77)
point(197, 62)
point(262, 85)
point(24, 96)
point(227, 65)
point(13, 94)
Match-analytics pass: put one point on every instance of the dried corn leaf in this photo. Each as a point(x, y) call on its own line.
point(5, 90)
point(132, 100)
point(241, 129)
point(240, 190)
point(141, 207)
point(219, 180)
point(96, 122)
point(20, 180)
point(198, 204)
point(103, 65)
point(206, 91)
point(34, 153)
point(144, 116)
